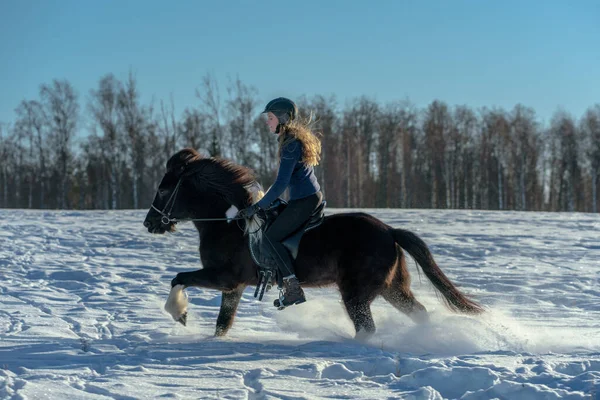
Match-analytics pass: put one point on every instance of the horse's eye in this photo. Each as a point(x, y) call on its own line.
point(163, 192)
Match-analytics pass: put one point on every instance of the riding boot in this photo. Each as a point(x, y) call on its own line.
point(291, 293)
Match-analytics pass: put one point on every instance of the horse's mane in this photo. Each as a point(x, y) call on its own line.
point(236, 183)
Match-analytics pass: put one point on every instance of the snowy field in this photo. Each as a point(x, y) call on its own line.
point(81, 316)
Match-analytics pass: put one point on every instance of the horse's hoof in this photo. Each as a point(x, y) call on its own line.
point(219, 332)
point(177, 303)
point(183, 319)
point(363, 335)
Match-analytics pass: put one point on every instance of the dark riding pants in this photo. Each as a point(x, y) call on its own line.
point(293, 217)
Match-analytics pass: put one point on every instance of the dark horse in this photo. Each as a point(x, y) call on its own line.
point(360, 254)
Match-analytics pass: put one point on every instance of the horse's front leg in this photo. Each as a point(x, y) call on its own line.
point(210, 278)
point(229, 305)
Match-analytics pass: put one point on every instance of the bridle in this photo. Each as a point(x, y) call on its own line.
point(168, 208)
point(166, 211)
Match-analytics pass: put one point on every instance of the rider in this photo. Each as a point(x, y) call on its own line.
point(299, 152)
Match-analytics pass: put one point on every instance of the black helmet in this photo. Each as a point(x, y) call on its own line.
point(284, 109)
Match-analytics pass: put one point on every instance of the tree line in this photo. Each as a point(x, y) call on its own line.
point(374, 155)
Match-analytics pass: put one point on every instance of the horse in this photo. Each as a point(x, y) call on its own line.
point(357, 252)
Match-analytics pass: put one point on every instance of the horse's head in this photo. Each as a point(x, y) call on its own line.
point(194, 187)
point(169, 205)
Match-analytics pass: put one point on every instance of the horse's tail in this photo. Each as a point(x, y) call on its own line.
point(419, 251)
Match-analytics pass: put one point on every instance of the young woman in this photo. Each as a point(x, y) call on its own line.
point(299, 152)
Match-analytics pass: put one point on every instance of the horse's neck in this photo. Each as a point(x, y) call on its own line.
point(214, 211)
point(217, 209)
point(212, 234)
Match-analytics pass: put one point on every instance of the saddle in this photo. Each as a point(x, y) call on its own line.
point(268, 272)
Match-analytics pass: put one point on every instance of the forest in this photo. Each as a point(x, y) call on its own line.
point(106, 149)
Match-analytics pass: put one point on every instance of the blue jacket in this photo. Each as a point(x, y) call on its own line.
point(293, 173)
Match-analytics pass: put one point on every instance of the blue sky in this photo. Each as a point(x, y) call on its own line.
point(544, 54)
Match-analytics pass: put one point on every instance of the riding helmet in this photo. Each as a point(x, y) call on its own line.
point(284, 109)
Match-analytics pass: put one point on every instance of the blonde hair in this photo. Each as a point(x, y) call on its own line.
point(301, 131)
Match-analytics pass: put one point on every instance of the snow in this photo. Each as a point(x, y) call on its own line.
point(82, 298)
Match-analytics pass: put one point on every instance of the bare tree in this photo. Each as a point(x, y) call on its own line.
point(95, 174)
point(567, 162)
point(241, 107)
point(62, 112)
point(502, 148)
point(103, 106)
point(525, 158)
point(194, 130)
point(211, 108)
point(397, 125)
point(409, 190)
point(436, 126)
point(134, 120)
point(348, 137)
point(590, 128)
point(156, 158)
point(30, 126)
point(168, 128)
point(367, 113)
point(389, 124)
point(463, 155)
point(358, 135)
point(7, 151)
point(494, 150)
point(325, 125)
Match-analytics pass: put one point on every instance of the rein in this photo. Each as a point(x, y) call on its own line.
point(166, 211)
point(166, 219)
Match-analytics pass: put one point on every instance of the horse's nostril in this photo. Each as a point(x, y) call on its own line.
point(147, 224)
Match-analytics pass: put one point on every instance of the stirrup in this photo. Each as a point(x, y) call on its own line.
point(278, 303)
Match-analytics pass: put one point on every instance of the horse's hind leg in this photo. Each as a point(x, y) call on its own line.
point(406, 302)
point(229, 305)
point(357, 297)
point(398, 293)
point(359, 285)
point(359, 310)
